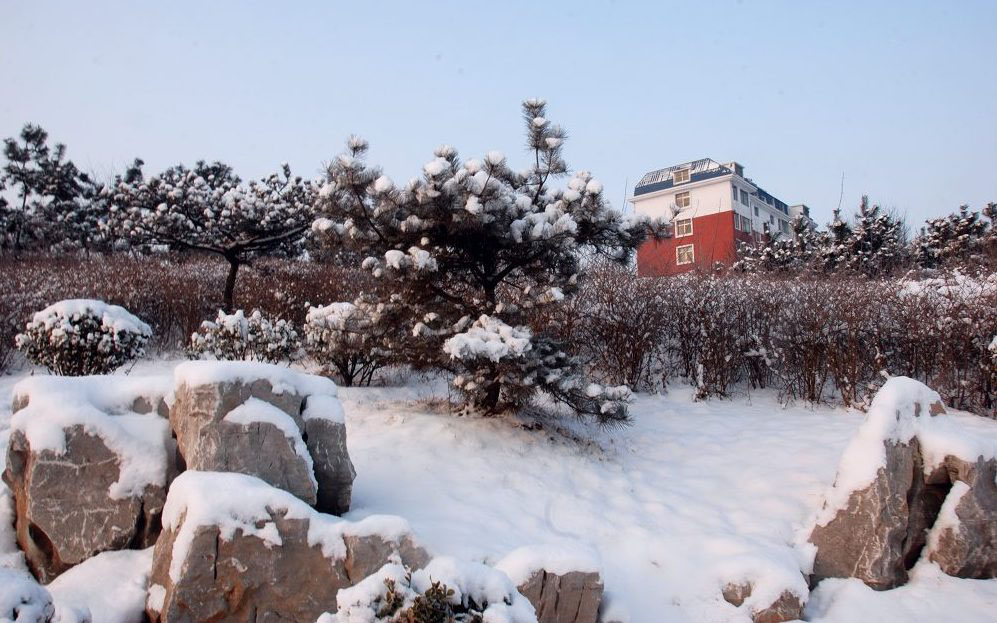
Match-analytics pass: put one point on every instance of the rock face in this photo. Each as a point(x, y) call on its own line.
point(573, 597)
point(236, 549)
point(964, 540)
point(84, 481)
point(890, 489)
point(786, 607)
point(266, 421)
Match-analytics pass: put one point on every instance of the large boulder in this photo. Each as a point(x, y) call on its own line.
point(235, 548)
point(87, 473)
point(891, 482)
point(562, 582)
point(268, 421)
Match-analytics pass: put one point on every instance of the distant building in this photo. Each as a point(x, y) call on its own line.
point(712, 207)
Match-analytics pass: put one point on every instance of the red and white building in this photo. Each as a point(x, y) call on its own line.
point(712, 207)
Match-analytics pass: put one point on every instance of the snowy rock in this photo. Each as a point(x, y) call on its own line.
point(235, 548)
point(108, 588)
point(786, 607)
point(87, 474)
point(963, 541)
point(267, 421)
point(561, 582)
point(890, 485)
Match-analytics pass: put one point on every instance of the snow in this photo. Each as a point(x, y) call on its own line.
point(256, 410)
point(98, 404)
point(436, 166)
point(108, 588)
point(281, 378)
point(694, 494)
point(892, 418)
point(22, 600)
point(238, 502)
point(322, 407)
point(561, 558)
point(490, 338)
point(947, 518)
point(112, 317)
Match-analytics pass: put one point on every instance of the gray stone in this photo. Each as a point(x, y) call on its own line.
point(968, 548)
point(870, 538)
point(334, 472)
point(207, 442)
point(573, 597)
point(64, 513)
point(242, 579)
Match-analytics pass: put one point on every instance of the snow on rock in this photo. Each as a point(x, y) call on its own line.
point(561, 558)
point(891, 481)
point(255, 419)
point(87, 473)
point(108, 588)
point(488, 338)
point(561, 581)
point(228, 530)
point(113, 317)
point(474, 585)
point(281, 378)
point(22, 600)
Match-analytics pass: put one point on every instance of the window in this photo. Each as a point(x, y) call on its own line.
point(683, 227)
point(744, 197)
point(772, 219)
point(682, 199)
point(680, 176)
point(734, 188)
point(784, 226)
point(684, 254)
point(756, 210)
point(743, 223)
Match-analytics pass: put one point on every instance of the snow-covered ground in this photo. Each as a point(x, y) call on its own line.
point(692, 495)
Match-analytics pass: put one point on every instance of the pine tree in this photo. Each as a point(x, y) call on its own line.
point(54, 205)
point(836, 246)
point(208, 209)
point(957, 239)
point(877, 244)
point(469, 249)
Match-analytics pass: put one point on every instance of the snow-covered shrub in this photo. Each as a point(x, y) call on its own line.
point(77, 337)
point(445, 591)
point(256, 337)
point(352, 338)
point(476, 239)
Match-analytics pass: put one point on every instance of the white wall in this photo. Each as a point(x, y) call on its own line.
point(711, 197)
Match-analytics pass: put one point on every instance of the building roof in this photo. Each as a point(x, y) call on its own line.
point(699, 170)
point(661, 179)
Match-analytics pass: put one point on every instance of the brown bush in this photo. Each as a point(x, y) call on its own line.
point(173, 293)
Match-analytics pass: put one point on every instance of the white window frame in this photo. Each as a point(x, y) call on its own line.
point(684, 173)
point(678, 254)
point(744, 197)
point(685, 195)
point(679, 224)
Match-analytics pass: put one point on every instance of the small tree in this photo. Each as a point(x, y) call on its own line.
point(469, 248)
point(54, 205)
point(207, 209)
point(237, 337)
point(352, 338)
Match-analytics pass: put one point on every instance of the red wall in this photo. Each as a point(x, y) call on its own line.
point(713, 236)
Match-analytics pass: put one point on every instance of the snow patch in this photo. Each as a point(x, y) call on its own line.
point(560, 559)
point(282, 379)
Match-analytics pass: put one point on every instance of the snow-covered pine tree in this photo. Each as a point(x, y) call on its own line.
point(836, 244)
point(877, 244)
point(208, 209)
point(54, 206)
point(782, 253)
point(956, 239)
point(467, 250)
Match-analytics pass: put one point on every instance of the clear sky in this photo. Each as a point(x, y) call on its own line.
point(899, 97)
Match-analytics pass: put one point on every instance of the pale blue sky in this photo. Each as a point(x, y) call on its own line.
point(900, 97)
